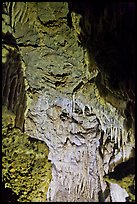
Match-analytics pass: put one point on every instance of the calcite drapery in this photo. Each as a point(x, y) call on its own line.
point(73, 140)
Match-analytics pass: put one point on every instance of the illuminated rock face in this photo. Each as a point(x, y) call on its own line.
point(73, 140)
point(76, 98)
point(80, 152)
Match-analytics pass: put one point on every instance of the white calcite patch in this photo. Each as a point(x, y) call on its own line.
point(118, 194)
point(73, 141)
point(72, 131)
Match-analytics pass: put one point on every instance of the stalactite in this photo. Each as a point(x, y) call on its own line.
point(103, 127)
point(111, 132)
point(77, 192)
point(64, 180)
point(123, 149)
point(83, 111)
point(115, 134)
point(107, 131)
point(70, 185)
point(89, 108)
point(73, 103)
point(61, 180)
point(126, 137)
point(88, 187)
point(119, 138)
point(73, 127)
point(49, 197)
point(81, 184)
point(91, 189)
point(79, 187)
point(123, 143)
point(88, 170)
point(84, 184)
point(73, 193)
point(122, 137)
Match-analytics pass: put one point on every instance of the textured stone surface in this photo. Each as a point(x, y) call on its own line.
point(13, 87)
point(117, 193)
point(73, 141)
point(25, 165)
point(79, 98)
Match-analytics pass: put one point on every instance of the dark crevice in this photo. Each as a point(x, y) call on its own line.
point(69, 20)
point(60, 75)
point(8, 195)
point(78, 87)
point(59, 83)
point(10, 13)
point(28, 45)
point(8, 39)
point(50, 23)
point(4, 9)
point(123, 169)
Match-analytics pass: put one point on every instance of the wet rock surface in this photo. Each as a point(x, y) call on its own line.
point(79, 92)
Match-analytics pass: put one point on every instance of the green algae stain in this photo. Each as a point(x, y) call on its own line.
point(25, 165)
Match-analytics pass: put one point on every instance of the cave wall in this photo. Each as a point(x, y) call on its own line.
point(26, 171)
point(13, 88)
point(79, 89)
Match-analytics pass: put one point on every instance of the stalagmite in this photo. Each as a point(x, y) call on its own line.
point(81, 184)
point(73, 197)
point(91, 191)
point(84, 184)
point(70, 184)
point(88, 188)
point(77, 186)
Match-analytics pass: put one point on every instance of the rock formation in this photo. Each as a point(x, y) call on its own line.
point(69, 83)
